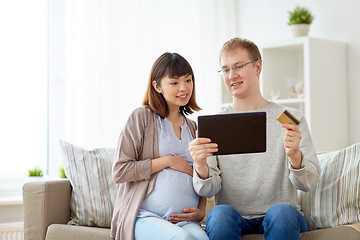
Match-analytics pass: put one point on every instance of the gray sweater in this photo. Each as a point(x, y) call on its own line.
point(251, 183)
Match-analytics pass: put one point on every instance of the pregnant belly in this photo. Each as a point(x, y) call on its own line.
point(173, 191)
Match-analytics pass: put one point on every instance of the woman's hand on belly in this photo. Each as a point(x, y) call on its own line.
point(180, 164)
point(189, 214)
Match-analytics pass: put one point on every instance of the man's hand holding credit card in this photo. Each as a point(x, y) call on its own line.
point(292, 138)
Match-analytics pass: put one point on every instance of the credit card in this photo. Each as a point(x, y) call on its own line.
point(287, 117)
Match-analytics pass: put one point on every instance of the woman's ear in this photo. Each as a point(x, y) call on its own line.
point(156, 86)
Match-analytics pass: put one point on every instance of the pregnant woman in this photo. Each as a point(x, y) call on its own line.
point(153, 166)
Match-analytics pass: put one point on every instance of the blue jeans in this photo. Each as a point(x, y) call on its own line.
point(281, 221)
point(156, 228)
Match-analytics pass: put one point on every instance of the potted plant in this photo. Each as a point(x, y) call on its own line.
point(35, 172)
point(62, 173)
point(299, 20)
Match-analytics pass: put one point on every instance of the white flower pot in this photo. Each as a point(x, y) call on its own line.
point(299, 30)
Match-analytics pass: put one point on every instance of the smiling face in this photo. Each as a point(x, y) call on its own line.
point(171, 82)
point(245, 81)
point(177, 91)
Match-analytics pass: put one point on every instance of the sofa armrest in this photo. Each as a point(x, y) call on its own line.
point(355, 226)
point(45, 203)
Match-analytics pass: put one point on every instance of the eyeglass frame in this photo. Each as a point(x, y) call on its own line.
point(235, 68)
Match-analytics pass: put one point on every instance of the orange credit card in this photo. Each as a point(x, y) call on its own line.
point(287, 117)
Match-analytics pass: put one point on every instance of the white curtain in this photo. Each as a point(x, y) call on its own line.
point(101, 52)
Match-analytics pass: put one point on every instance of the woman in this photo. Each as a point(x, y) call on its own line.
point(153, 166)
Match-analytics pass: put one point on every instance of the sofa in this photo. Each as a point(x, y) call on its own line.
point(47, 205)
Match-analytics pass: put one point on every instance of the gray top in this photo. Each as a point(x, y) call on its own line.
point(164, 200)
point(251, 183)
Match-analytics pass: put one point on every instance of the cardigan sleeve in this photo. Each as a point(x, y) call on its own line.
point(128, 167)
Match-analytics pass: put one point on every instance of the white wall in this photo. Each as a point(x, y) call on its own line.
point(264, 20)
point(11, 213)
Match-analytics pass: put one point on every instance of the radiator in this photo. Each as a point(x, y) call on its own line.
point(12, 231)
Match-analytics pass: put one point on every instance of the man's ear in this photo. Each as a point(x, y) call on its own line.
point(258, 67)
point(156, 86)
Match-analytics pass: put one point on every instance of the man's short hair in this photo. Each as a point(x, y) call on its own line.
point(235, 43)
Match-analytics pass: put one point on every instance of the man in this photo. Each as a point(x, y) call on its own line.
point(255, 193)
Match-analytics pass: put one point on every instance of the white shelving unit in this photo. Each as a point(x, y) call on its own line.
point(317, 69)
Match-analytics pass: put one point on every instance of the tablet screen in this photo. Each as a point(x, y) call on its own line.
point(236, 132)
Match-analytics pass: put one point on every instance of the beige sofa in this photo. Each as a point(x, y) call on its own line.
point(47, 211)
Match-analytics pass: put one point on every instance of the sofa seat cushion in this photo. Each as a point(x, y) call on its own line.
point(71, 232)
point(348, 232)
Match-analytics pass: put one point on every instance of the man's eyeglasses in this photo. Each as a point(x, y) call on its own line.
point(236, 68)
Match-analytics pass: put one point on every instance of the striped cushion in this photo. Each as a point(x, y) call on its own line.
point(93, 191)
point(336, 198)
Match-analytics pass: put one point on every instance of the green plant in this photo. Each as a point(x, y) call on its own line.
point(300, 15)
point(35, 172)
point(62, 173)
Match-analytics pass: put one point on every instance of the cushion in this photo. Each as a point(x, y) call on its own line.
point(93, 190)
point(336, 198)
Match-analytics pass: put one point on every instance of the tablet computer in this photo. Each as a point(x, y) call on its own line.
point(236, 132)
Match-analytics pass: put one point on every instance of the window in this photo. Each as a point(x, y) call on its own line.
point(23, 91)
